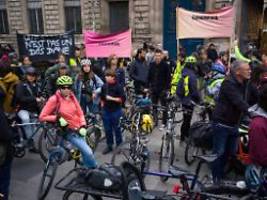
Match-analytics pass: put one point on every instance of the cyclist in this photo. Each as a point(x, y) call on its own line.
point(187, 92)
point(226, 116)
point(64, 108)
point(27, 100)
point(258, 130)
point(88, 87)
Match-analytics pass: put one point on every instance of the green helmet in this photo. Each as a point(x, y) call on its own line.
point(64, 80)
point(190, 59)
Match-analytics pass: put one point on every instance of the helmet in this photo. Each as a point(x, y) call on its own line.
point(217, 67)
point(31, 70)
point(147, 123)
point(85, 62)
point(64, 80)
point(252, 177)
point(190, 59)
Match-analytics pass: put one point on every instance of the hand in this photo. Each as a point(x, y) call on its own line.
point(82, 132)
point(62, 122)
point(38, 100)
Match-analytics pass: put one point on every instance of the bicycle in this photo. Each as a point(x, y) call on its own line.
point(58, 154)
point(192, 188)
point(20, 142)
point(167, 141)
point(134, 151)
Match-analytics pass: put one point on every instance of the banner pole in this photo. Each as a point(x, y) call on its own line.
point(177, 34)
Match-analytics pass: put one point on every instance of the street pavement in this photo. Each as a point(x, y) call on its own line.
point(27, 171)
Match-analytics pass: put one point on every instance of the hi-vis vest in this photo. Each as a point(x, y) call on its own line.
point(176, 77)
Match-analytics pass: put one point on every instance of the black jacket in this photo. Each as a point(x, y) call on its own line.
point(139, 71)
point(159, 77)
point(26, 94)
point(114, 90)
point(231, 102)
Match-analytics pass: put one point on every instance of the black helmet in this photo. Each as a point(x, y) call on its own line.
point(31, 71)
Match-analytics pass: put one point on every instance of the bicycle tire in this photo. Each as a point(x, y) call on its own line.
point(190, 151)
point(42, 190)
point(46, 141)
point(124, 150)
point(167, 143)
point(70, 195)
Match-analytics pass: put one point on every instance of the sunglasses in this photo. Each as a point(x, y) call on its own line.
point(65, 87)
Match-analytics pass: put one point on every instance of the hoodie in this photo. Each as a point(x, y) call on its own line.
point(258, 136)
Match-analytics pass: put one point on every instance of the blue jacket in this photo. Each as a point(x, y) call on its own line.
point(188, 93)
point(94, 85)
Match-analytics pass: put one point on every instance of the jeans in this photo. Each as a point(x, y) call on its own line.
point(24, 115)
point(224, 145)
point(187, 117)
point(5, 175)
point(80, 143)
point(111, 123)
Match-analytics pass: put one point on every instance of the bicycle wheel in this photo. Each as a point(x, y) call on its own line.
point(46, 142)
point(70, 195)
point(93, 138)
point(166, 154)
point(47, 179)
point(126, 152)
point(190, 151)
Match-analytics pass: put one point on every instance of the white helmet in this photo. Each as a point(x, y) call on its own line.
point(85, 61)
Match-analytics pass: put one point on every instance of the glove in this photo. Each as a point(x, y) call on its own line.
point(82, 132)
point(62, 122)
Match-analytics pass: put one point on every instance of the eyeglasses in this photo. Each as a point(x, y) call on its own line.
point(65, 87)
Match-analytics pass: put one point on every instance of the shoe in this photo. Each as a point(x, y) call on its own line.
point(162, 127)
point(107, 150)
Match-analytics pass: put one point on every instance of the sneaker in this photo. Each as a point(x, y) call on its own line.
point(162, 127)
point(107, 150)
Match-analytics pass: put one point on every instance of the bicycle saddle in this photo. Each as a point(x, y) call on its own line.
point(209, 158)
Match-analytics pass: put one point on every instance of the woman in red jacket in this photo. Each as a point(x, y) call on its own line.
point(64, 107)
point(258, 130)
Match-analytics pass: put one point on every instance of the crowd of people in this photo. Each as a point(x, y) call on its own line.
point(73, 87)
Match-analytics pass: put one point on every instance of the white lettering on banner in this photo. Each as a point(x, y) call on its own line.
point(35, 47)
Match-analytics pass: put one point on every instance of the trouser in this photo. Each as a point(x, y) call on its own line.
point(111, 123)
point(87, 153)
point(156, 98)
point(187, 117)
point(225, 140)
point(5, 175)
point(25, 117)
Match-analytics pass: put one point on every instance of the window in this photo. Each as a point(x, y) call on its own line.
point(118, 16)
point(73, 21)
point(3, 18)
point(35, 16)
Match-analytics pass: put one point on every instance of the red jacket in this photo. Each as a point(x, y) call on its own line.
point(69, 109)
point(258, 139)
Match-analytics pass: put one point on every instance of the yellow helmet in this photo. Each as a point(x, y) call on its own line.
point(147, 123)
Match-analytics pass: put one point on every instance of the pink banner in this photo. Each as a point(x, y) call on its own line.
point(217, 24)
point(98, 45)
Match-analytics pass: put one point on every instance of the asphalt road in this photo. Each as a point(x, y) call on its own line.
point(27, 171)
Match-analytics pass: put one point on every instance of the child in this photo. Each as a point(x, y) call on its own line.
point(112, 99)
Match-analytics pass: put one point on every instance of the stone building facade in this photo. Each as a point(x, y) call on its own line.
point(144, 17)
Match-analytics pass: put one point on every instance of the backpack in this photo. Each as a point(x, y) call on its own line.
point(106, 177)
point(9, 89)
